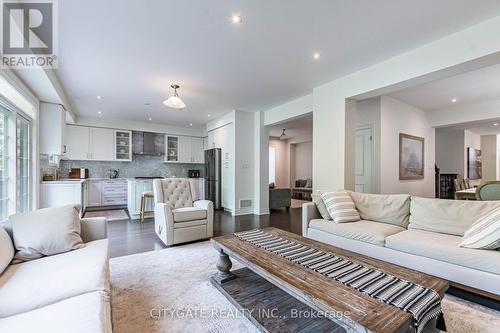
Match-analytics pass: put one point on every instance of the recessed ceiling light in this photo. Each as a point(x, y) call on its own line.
point(316, 55)
point(236, 19)
point(99, 97)
point(454, 100)
point(191, 124)
point(495, 124)
point(100, 112)
point(209, 115)
point(150, 119)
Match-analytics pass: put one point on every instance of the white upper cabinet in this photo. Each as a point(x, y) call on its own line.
point(197, 151)
point(172, 148)
point(102, 144)
point(123, 145)
point(184, 149)
point(97, 144)
point(52, 129)
point(77, 143)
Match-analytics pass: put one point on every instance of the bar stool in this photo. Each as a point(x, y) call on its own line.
point(144, 196)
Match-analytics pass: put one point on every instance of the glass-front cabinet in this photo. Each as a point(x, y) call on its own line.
point(123, 145)
point(172, 147)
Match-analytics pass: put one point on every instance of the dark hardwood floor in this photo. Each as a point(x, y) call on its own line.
point(130, 236)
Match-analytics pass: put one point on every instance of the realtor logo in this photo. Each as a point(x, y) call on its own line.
point(29, 34)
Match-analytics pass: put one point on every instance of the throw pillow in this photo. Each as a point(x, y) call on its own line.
point(6, 250)
point(46, 232)
point(340, 206)
point(318, 201)
point(484, 233)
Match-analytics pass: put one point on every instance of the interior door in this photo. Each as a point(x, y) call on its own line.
point(102, 144)
point(364, 160)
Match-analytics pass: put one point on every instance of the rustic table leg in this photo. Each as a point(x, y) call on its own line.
point(224, 266)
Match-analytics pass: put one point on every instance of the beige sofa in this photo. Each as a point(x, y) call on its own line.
point(418, 233)
point(68, 292)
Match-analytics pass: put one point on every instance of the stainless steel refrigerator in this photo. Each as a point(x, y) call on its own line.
point(213, 187)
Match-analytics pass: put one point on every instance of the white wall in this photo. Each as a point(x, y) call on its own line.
point(303, 160)
point(261, 170)
point(289, 110)
point(242, 136)
point(244, 161)
point(399, 117)
point(388, 117)
point(466, 50)
point(450, 147)
point(282, 168)
point(489, 152)
point(461, 114)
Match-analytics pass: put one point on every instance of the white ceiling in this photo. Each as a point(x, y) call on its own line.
point(479, 127)
point(129, 52)
point(299, 127)
point(471, 87)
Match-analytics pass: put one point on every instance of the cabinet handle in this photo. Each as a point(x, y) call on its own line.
point(64, 149)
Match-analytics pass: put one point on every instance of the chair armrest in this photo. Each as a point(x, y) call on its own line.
point(309, 212)
point(203, 204)
point(93, 228)
point(209, 206)
point(164, 223)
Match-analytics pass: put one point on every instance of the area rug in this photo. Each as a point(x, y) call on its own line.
point(298, 203)
point(168, 291)
point(110, 215)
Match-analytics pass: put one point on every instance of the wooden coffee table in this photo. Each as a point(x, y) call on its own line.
point(273, 282)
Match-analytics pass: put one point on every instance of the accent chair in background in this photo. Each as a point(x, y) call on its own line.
point(179, 216)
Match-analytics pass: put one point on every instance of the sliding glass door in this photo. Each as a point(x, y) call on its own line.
point(15, 161)
point(23, 130)
point(4, 170)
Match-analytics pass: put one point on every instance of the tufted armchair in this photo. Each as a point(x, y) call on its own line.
point(179, 216)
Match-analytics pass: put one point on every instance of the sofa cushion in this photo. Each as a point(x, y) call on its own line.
point(189, 214)
point(6, 249)
point(444, 248)
point(340, 206)
point(36, 283)
point(85, 313)
point(385, 208)
point(364, 231)
point(452, 217)
point(46, 232)
point(484, 233)
point(320, 204)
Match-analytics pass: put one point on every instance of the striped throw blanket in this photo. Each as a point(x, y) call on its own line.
point(422, 303)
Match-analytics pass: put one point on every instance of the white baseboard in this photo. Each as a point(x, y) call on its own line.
point(263, 211)
point(243, 211)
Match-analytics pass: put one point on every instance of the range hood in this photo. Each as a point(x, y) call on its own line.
point(146, 143)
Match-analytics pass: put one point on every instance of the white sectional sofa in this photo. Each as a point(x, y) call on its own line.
point(418, 233)
point(68, 292)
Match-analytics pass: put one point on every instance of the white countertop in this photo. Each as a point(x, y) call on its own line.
point(66, 181)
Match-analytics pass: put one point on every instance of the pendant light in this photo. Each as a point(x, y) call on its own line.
point(174, 101)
